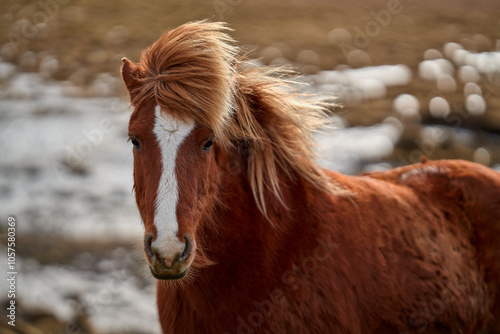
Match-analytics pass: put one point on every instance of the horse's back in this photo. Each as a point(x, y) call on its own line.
point(436, 229)
point(467, 188)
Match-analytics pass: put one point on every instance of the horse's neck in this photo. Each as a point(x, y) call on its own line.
point(250, 252)
point(244, 241)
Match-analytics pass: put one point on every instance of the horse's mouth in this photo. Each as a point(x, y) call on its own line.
point(166, 275)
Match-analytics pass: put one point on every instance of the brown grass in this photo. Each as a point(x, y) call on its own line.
point(78, 35)
point(79, 27)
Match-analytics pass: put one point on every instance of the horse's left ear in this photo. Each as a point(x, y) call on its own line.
point(131, 74)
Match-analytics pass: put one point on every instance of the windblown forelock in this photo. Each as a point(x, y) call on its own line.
point(192, 73)
point(189, 73)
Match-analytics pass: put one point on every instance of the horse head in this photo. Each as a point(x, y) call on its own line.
point(198, 113)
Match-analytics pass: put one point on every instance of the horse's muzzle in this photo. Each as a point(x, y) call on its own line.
point(162, 269)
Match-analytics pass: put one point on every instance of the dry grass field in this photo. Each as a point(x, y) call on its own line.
point(89, 37)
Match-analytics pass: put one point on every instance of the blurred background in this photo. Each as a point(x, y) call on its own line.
point(415, 78)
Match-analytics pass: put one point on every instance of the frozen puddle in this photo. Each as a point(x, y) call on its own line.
point(358, 149)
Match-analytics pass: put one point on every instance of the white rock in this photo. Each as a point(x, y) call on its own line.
point(330, 77)
point(439, 107)
point(428, 70)
point(485, 63)
point(445, 66)
point(459, 57)
point(471, 59)
point(397, 75)
point(436, 134)
point(351, 96)
point(472, 88)
point(482, 156)
point(468, 73)
point(309, 57)
point(359, 58)
point(446, 83)
point(6, 70)
point(49, 66)
point(389, 75)
point(431, 54)
point(396, 124)
point(371, 88)
point(339, 35)
point(331, 88)
point(309, 69)
point(450, 48)
point(431, 69)
point(268, 54)
point(28, 61)
point(475, 104)
point(280, 61)
point(406, 105)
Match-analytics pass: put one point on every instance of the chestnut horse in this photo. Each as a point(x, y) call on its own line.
point(247, 234)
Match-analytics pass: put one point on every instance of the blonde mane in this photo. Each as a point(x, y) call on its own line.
point(193, 72)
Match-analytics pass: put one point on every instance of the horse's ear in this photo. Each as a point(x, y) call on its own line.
point(131, 74)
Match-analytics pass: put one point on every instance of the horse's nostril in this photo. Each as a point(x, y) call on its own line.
point(188, 247)
point(148, 240)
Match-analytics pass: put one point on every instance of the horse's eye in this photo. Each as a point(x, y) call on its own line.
point(208, 144)
point(134, 142)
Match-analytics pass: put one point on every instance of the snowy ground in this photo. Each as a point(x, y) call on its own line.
point(66, 170)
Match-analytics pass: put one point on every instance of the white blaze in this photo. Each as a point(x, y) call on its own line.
point(170, 133)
